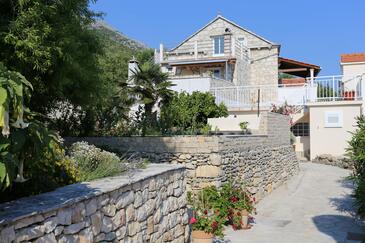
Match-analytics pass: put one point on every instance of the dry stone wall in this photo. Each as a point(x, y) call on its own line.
point(149, 205)
point(262, 161)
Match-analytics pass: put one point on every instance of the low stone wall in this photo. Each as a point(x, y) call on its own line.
point(339, 161)
point(262, 161)
point(148, 206)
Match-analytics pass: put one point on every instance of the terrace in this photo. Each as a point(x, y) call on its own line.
point(316, 89)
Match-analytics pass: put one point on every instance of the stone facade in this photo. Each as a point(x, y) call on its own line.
point(147, 206)
point(262, 161)
point(256, 63)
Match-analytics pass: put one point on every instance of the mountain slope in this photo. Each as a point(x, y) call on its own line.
point(119, 38)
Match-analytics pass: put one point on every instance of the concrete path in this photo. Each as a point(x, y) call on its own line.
point(315, 206)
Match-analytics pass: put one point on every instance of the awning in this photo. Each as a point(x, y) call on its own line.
point(297, 68)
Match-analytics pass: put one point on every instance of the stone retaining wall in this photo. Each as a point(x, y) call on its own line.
point(339, 161)
point(263, 161)
point(149, 205)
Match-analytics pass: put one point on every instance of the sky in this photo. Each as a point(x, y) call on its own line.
point(313, 31)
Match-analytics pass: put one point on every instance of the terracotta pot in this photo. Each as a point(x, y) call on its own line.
point(244, 214)
point(199, 236)
point(244, 217)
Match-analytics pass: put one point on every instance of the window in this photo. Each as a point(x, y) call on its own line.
point(300, 129)
point(242, 42)
point(217, 73)
point(333, 119)
point(218, 42)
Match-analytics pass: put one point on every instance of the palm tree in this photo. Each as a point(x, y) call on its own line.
point(151, 87)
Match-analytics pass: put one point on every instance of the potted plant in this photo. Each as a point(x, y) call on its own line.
point(244, 126)
point(206, 221)
point(240, 204)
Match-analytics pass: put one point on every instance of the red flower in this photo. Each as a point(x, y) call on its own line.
point(192, 220)
point(217, 212)
point(214, 225)
point(239, 213)
point(234, 199)
point(254, 199)
point(234, 226)
point(205, 212)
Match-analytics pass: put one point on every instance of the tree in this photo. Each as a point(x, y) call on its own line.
point(190, 112)
point(356, 152)
point(51, 43)
point(151, 88)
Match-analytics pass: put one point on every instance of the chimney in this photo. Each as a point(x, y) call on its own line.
point(132, 68)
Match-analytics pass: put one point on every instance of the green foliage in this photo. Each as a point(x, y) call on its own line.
point(356, 152)
point(27, 148)
point(150, 86)
point(327, 91)
point(46, 173)
point(244, 126)
point(205, 216)
point(94, 163)
point(190, 112)
point(51, 43)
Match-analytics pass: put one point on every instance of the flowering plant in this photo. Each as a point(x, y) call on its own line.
point(236, 199)
point(205, 216)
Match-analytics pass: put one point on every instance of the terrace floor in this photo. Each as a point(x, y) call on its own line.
point(315, 206)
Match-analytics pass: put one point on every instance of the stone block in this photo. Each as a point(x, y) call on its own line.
point(207, 171)
point(96, 222)
point(28, 221)
point(49, 238)
point(7, 234)
point(125, 199)
point(73, 228)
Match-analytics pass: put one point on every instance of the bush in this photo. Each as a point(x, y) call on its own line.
point(45, 174)
point(94, 163)
point(356, 152)
point(189, 113)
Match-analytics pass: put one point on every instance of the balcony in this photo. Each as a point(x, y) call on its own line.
point(202, 50)
point(191, 83)
point(319, 89)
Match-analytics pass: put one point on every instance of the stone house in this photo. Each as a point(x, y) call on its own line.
point(245, 72)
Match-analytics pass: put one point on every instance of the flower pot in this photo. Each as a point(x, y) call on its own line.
point(199, 236)
point(244, 214)
point(244, 217)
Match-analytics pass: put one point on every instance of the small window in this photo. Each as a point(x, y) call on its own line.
point(217, 73)
point(218, 42)
point(333, 119)
point(242, 41)
point(300, 129)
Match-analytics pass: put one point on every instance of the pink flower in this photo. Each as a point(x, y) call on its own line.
point(192, 220)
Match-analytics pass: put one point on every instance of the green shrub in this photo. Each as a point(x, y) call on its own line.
point(94, 163)
point(356, 152)
point(190, 112)
point(44, 174)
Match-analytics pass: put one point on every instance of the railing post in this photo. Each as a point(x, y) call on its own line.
point(333, 88)
point(161, 52)
point(233, 47)
point(237, 98)
point(196, 49)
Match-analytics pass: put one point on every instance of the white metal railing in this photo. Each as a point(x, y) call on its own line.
point(202, 49)
point(337, 88)
point(245, 96)
point(320, 89)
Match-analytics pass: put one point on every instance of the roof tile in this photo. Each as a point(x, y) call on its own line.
point(354, 57)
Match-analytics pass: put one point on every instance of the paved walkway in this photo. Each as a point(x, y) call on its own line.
point(315, 206)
